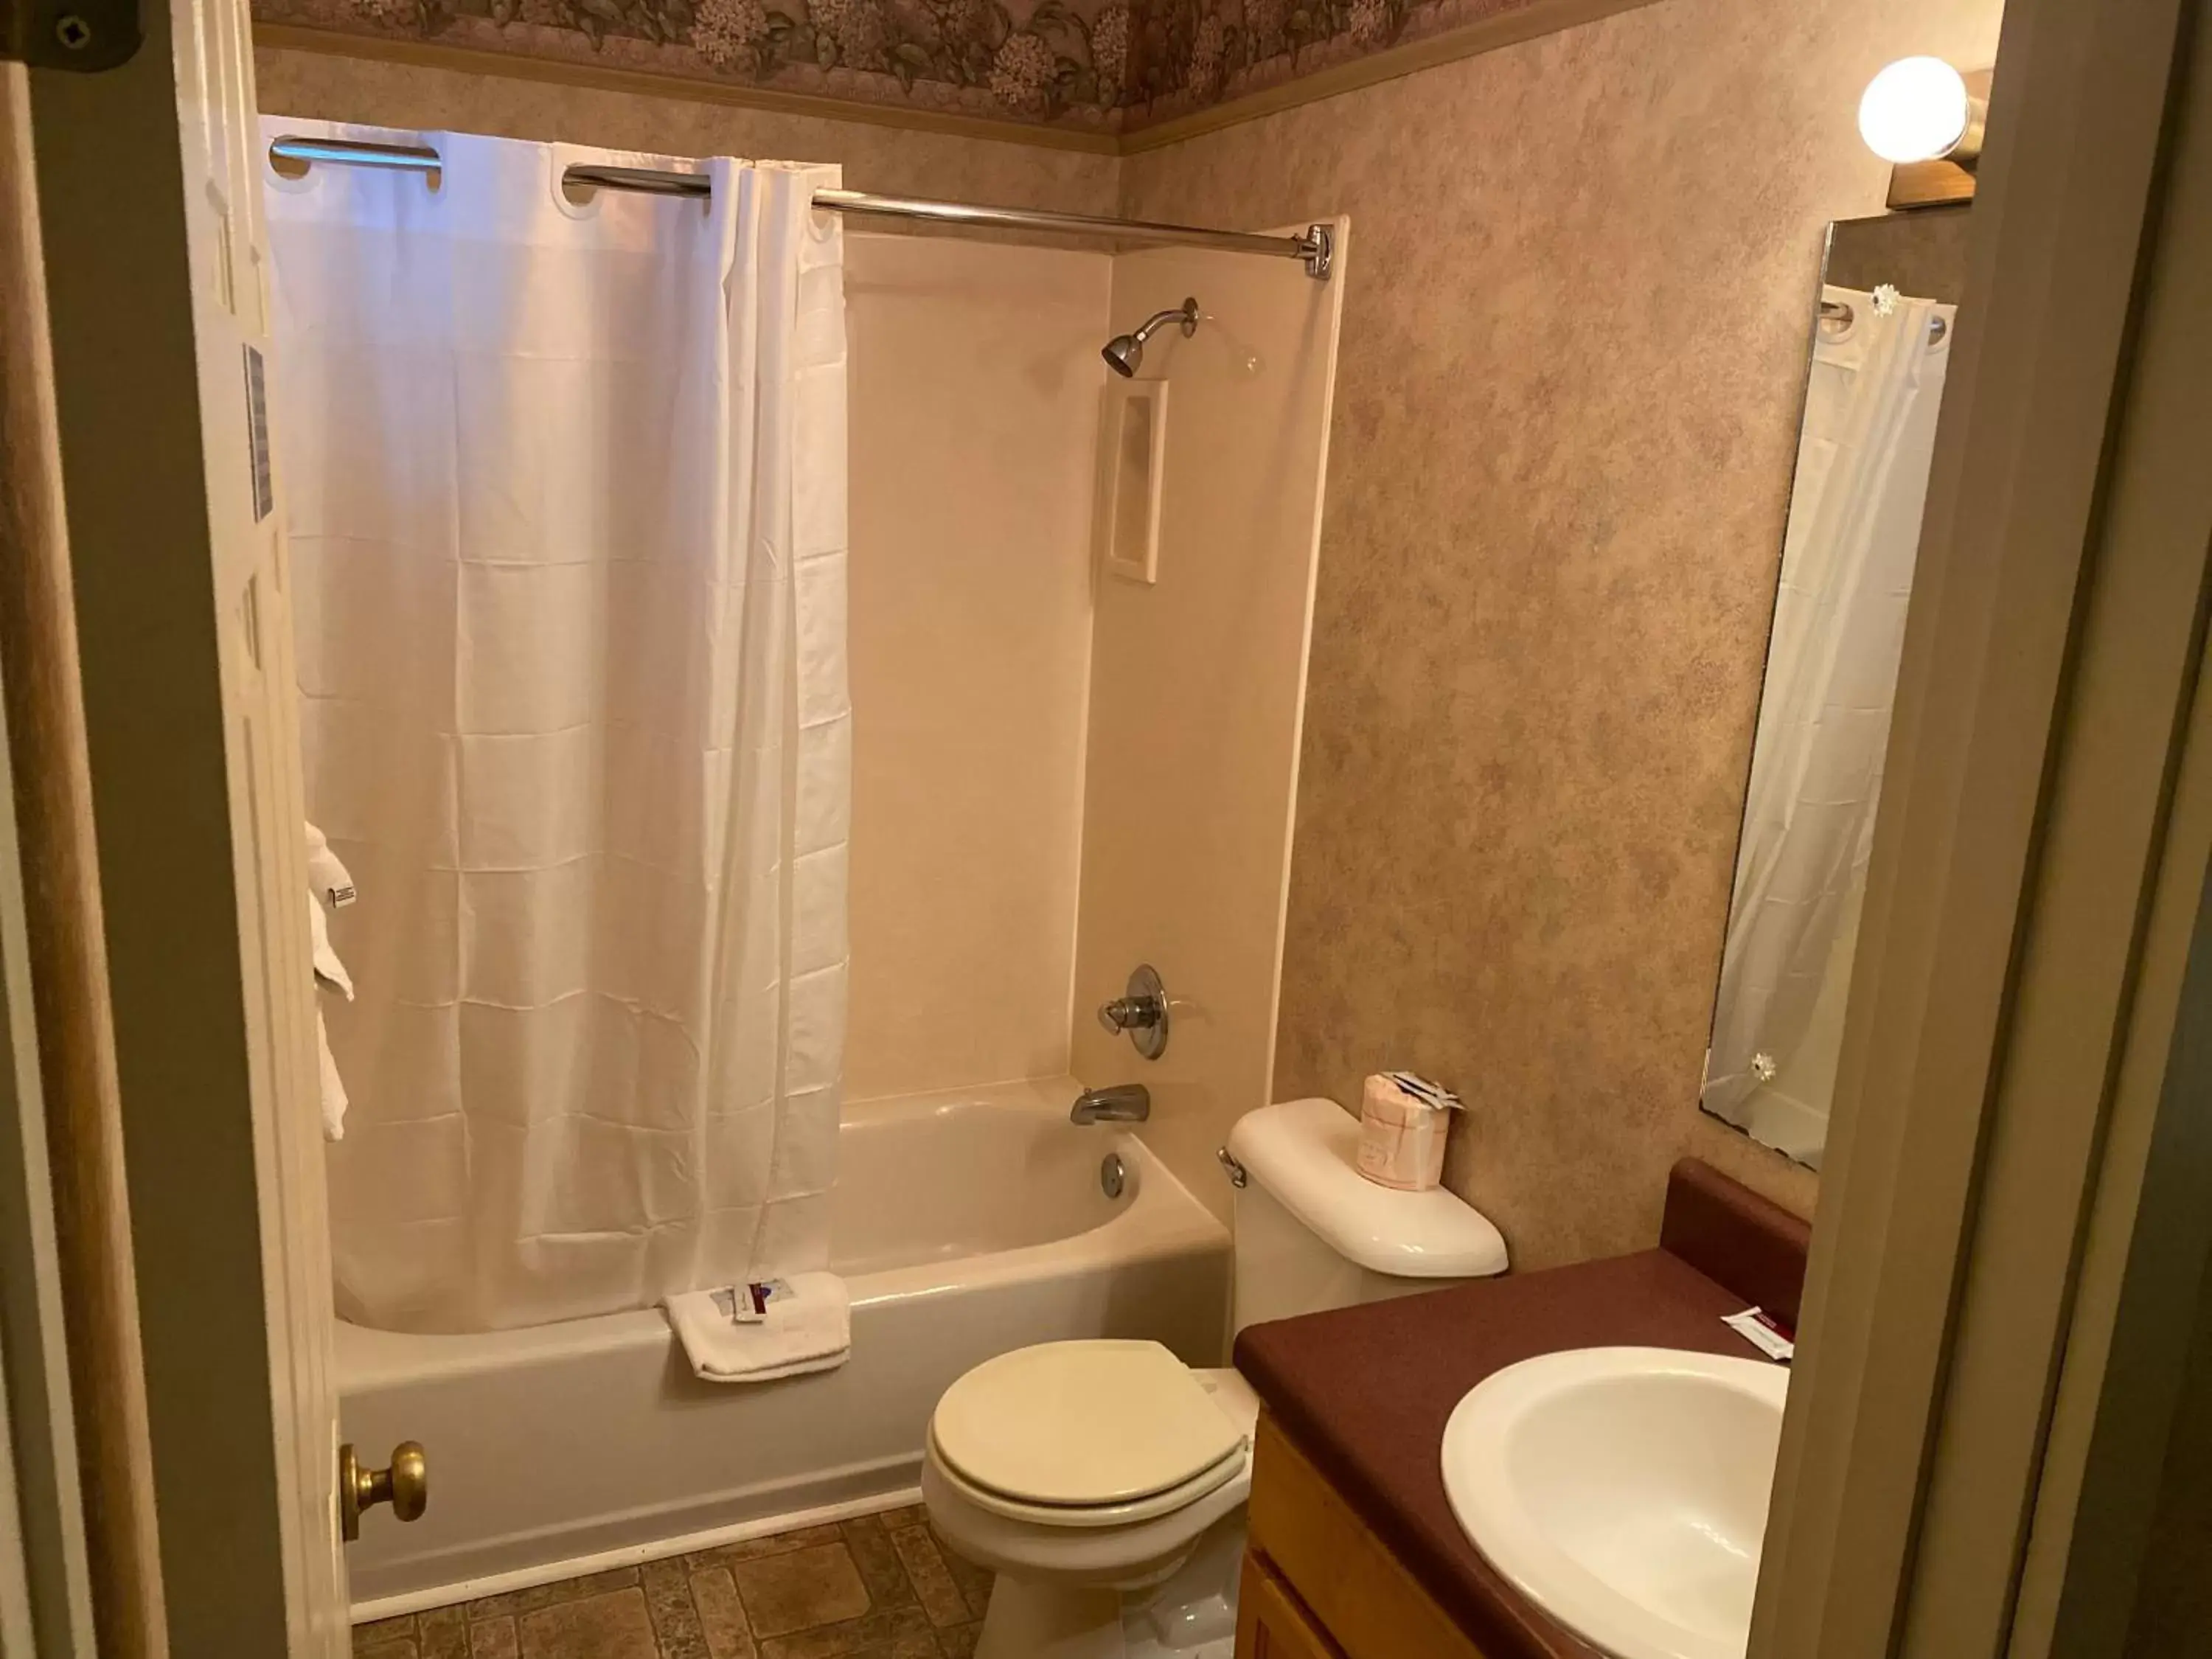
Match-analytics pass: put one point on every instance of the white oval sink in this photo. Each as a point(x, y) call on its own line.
point(1624, 1491)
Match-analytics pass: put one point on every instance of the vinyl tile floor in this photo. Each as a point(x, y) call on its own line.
point(877, 1587)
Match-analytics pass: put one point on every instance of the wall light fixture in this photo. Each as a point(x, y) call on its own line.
point(1925, 119)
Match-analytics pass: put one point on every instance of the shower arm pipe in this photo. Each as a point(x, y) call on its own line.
point(1315, 249)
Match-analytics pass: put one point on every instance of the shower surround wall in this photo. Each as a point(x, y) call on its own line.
point(974, 393)
point(1197, 688)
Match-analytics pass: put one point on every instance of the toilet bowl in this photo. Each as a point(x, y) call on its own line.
point(1104, 1481)
point(1104, 1484)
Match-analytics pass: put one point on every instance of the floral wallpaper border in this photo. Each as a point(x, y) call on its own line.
point(1104, 66)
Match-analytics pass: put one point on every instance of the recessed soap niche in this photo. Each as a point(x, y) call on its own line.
point(1133, 449)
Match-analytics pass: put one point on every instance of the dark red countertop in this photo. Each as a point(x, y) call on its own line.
point(1365, 1391)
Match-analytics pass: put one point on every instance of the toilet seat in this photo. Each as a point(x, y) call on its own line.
point(1085, 1434)
point(1149, 1508)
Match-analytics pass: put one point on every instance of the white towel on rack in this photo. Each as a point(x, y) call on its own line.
point(810, 1329)
point(328, 883)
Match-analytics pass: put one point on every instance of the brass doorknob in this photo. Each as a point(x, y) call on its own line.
point(405, 1486)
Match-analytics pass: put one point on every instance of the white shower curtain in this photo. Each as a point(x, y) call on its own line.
point(1832, 668)
point(567, 513)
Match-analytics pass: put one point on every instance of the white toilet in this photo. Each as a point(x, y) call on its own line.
point(1104, 1481)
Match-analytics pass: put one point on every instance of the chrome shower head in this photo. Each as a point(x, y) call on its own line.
point(1125, 352)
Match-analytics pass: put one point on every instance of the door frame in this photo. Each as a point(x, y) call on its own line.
point(83, 1573)
point(147, 177)
point(2035, 874)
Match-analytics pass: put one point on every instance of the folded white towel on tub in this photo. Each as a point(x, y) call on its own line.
point(807, 1327)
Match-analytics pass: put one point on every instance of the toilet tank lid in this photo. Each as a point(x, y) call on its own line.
point(1304, 1153)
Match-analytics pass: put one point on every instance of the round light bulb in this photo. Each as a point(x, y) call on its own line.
point(1915, 110)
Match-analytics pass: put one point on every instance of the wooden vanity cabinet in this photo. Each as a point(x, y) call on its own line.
point(1318, 1583)
point(1271, 1624)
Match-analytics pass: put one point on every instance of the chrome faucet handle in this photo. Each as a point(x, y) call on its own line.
point(1141, 1010)
point(1129, 1013)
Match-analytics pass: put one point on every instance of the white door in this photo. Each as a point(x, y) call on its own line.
point(183, 598)
point(230, 248)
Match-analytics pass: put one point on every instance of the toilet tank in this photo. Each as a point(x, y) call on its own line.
point(1314, 1233)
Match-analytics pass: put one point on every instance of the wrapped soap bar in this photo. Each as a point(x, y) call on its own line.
point(1403, 1122)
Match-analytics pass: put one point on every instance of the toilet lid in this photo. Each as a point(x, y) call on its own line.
point(1082, 1424)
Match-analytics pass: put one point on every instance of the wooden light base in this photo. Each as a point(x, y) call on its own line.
point(1940, 183)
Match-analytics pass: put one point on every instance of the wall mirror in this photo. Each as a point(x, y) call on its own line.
point(1882, 335)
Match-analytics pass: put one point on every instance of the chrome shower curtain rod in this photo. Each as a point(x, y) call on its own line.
point(1313, 249)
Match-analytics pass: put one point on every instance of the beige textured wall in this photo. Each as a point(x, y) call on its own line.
point(1566, 406)
point(974, 379)
point(877, 158)
point(1195, 694)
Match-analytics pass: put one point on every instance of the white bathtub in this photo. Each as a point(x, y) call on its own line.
point(967, 1224)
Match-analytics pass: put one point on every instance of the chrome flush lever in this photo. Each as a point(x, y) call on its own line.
point(1141, 1010)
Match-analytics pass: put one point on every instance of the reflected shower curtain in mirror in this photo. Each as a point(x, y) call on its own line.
point(567, 517)
point(1832, 668)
